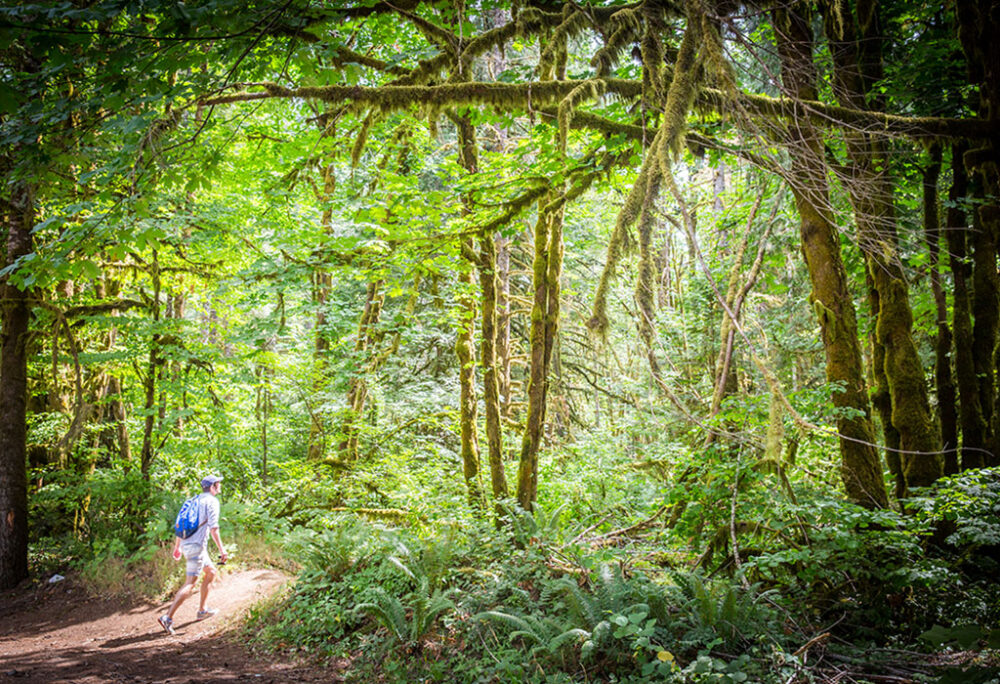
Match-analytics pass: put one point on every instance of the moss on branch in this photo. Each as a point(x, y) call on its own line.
point(395, 98)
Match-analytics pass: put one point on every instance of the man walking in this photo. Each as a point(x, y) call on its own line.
point(195, 550)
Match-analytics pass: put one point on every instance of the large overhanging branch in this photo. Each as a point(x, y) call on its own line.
point(540, 94)
point(892, 125)
point(525, 96)
point(609, 127)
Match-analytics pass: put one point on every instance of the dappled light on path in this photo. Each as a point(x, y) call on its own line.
point(58, 635)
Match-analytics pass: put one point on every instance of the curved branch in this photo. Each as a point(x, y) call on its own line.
point(540, 93)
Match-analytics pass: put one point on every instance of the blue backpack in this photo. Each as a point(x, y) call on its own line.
point(187, 519)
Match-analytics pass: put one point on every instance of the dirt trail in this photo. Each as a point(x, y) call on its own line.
point(57, 635)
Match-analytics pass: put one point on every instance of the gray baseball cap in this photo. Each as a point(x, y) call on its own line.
point(207, 483)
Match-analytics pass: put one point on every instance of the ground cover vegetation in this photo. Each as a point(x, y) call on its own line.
point(546, 341)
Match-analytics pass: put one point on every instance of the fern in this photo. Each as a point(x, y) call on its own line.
point(545, 635)
point(428, 606)
point(527, 526)
point(722, 609)
point(389, 612)
point(333, 552)
point(409, 622)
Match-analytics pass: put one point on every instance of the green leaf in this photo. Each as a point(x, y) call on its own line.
point(10, 100)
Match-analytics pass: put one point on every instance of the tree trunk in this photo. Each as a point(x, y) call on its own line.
point(985, 304)
point(546, 273)
point(154, 365)
point(367, 360)
point(970, 411)
point(464, 347)
point(978, 25)
point(491, 387)
point(856, 51)
point(831, 299)
point(946, 394)
point(503, 322)
point(322, 284)
point(18, 219)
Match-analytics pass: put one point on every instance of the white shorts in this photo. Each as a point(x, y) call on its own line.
point(197, 558)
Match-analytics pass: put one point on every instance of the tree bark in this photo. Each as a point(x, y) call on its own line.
point(978, 25)
point(503, 322)
point(19, 219)
point(947, 398)
point(491, 386)
point(861, 471)
point(546, 273)
point(970, 410)
point(322, 285)
point(153, 370)
point(985, 304)
point(464, 347)
point(856, 49)
point(367, 359)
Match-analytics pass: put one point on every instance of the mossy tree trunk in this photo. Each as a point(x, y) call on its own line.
point(468, 157)
point(855, 45)
point(978, 26)
point(503, 323)
point(985, 305)
point(367, 359)
point(831, 298)
point(488, 283)
point(971, 416)
point(880, 394)
point(322, 286)
point(947, 398)
point(546, 274)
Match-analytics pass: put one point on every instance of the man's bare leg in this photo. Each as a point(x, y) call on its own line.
point(182, 595)
point(206, 586)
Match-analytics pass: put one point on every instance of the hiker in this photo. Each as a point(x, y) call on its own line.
point(195, 549)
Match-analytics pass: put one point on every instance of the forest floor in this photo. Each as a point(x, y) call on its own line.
point(57, 634)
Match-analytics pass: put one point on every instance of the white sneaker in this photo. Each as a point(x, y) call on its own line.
point(166, 623)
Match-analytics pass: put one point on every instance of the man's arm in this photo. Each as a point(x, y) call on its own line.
point(223, 556)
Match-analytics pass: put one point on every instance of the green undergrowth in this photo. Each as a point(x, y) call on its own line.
point(662, 566)
point(121, 543)
point(545, 598)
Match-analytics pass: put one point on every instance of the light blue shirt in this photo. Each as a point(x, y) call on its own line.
point(208, 519)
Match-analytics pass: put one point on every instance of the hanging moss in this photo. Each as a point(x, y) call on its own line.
point(652, 53)
point(362, 138)
point(626, 27)
point(716, 63)
point(574, 22)
point(680, 95)
point(590, 90)
point(645, 283)
point(656, 165)
point(598, 322)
